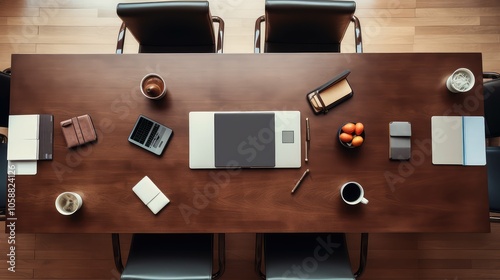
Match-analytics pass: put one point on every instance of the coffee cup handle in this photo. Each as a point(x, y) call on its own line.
point(364, 200)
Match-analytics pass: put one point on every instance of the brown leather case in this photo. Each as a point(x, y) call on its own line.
point(78, 131)
point(330, 94)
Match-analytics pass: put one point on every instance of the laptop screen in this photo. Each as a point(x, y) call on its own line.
point(244, 139)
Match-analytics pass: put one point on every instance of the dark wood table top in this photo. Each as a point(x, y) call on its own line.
point(411, 196)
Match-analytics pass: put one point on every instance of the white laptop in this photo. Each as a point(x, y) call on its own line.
point(254, 139)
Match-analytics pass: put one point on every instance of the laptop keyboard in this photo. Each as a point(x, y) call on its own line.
point(141, 130)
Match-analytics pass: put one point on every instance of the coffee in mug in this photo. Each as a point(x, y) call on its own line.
point(352, 193)
point(153, 86)
point(68, 203)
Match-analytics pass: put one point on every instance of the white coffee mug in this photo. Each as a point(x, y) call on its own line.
point(352, 193)
point(462, 80)
point(153, 86)
point(68, 203)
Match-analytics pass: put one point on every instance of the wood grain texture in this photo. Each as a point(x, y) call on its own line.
point(391, 256)
point(106, 87)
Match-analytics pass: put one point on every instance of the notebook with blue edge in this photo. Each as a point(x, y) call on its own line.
point(458, 140)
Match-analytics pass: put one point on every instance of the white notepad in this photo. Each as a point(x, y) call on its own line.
point(458, 140)
point(23, 137)
point(150, 195)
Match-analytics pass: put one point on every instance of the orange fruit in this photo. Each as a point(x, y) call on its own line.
point(349, 128)
point(357, 141)
point(346, 138)
point(359, 128)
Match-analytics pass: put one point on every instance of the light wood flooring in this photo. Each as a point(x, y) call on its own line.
point(91, 26)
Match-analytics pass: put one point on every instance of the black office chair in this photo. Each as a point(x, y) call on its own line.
point(492, 120)
point(319, 256)
point(306, 26)
point(493, 164)
point(4, 123)
point(170, 257)
point(170, 27)
point(491, 103)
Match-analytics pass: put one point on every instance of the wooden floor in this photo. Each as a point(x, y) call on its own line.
point(91, 26)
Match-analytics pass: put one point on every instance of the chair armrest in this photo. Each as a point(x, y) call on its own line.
point(357, 34)
point(121, 39)
point(117, 254)
point(220, 33)
point(259, 246)
point(257, 34)
point(221, 252)
point(4, 134)
point(491, 75)
point(363, 254)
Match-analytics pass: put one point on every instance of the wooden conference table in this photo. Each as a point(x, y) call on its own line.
point(412, 196)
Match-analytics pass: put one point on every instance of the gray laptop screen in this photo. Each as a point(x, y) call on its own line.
point(244, 140)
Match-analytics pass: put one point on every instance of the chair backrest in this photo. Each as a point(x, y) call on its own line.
point(491, 107)
point(493, 164)
point(306, 26)
point(172, 26)
point(4, 99)
point(4, 122)
point(317, 256)
point(171, 256)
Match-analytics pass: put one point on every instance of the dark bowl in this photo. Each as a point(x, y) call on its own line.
point(349, 145)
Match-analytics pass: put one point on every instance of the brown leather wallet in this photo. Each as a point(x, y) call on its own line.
point(78, 131)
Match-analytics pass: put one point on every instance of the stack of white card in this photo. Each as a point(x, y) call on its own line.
point(150, 195)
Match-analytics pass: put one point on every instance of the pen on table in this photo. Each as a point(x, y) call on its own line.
point(300, 180)
point(308, 138)
point(308, 131)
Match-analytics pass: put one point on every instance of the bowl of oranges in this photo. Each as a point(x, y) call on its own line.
point(351, 134)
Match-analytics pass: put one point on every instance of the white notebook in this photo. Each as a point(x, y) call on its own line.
point(458, 140)
point(23, 137)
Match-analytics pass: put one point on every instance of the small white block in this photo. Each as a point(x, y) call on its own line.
point(150, 194)
point(158, 203)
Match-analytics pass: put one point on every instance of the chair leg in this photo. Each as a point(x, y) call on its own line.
point(221, 252)
point(259, 246)
point(362, 255)
point(115, 237)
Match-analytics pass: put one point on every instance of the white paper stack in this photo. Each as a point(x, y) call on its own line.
point(23, 145)
point(23, 137)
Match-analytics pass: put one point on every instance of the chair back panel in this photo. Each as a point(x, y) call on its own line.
point(173, 26)
point(170, 257)
point(491, 107)
point(307, 256)
point(493, 164)
point(4, 99)
point(306, 26)
point(4, 122)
